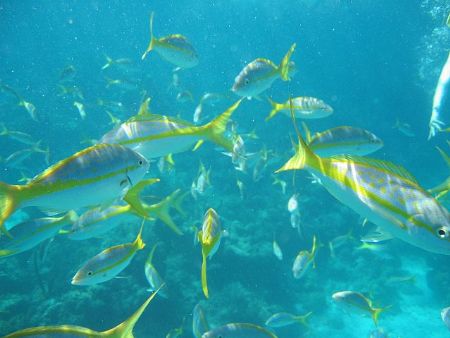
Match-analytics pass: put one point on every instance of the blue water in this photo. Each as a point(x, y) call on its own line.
point(372, 61)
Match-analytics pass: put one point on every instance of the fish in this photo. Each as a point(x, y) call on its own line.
point(448, 20)
point(343, 140)
point(123, 330)
point(80, 108)
point(95, 175)
point(443, 188)
point(174, 48)
point(111, 62)
point(31, 233)
point(153, 277)
point(202, 182)
point(210, 99)
point(258, 75)
point(185, 96)
point(209, 237)
point(72, 91)
point(16, 159)
point(97, 221)
point(241, 188)
point(339, 241)
point(18, 136)
point(304, 260)
point(445, 315)
point(404, 128)
point(282, 319)
point(199, 323)
point(292, 205)
point(294, 211)
point(386, 194)
point(260, 164)
point(277, 250)
point(157, 135)
point(239, 330)
point(29, 107)
point(304, 107)
point(108, 263)
point(378, 333)
point(436, 123)
point(376, 236)
point(67, 73)
point(356, 301)
point(281, 183)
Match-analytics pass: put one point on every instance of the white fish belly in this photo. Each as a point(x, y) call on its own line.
point(165, 146)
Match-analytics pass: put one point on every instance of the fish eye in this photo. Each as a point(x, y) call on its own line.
point(442, 233)
point(246, 81)
point(89, 273)
point(141, 162)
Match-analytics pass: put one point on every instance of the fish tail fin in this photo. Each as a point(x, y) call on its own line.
point(276, 107)
point(376, 313)
point(303, 156)
point(178, 201)
point(133, 199)
point(109, 62)
point(70, 217)
point(152, 253)
point(125, 329)
point(152, 38)
point(138, 242)
point(303, 319)
point(9, 202)
point(284, 65)
point(162, 211)
point(215, 130)
point(307, 132)
point(3, 129)
point(204, 279)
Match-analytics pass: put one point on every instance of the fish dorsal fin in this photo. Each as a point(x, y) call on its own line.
point(144, 108)
point(380, 164)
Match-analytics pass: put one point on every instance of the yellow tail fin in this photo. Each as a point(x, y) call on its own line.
point(9, 202)
point(284, 65)
point(276, 107)
point(376, 313)
point(125, 329)
point(204, 279)
point(152, 38)
point(161, 210)
point(138, 242)
point(303, 319)
point(133, 199)
point(215, 129)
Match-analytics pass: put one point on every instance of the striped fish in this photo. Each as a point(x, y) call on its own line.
point(209, 237)
point(304, 107)
point(157, 135)
point(108, 263)
point(239, 330)
point(94, 176)
point(174, 48)
point(385, 194)
point(123, 330)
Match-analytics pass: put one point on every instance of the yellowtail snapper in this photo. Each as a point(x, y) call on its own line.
point(304, 107)
point(259, 75)
point(96, 175)
point(199, 323)
point(239, 330)
point(174, 48)
point(154, 279)
point(282, 319)
point(123, 330)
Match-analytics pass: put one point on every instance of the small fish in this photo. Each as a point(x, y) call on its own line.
point(378, 333)
point(436, 123)
point(401, 279)
point(445, 315)
point(385, 194)
point(174, 48)
point(356, 301)
point(241, 188)
point(239, 330)
point(292, 205)
point(16, 159)
point(277, 250)
point(376, 236)
point(448, 20)
point(166, 163)
point(17, 135)
point(29, 107)
point(114, 120)
point(304, 260)
point(199, 323)
point(154, 279)
point(80, 108)
point(31, 233)
point(108, 263)
point(209, 237)
point(175, 333)
point(282, 319)
point(260, 164)
point(157, 135)
point(202, 182)
point(72, 91)
point(96, 175)
point(67, 73)
point(185, 96)
point(304, 107)
point(210, 99)
point(343, 140)
point(111, 62)
point(281, 183)
point(258, 75)
point(404, 128)
point(339, 241)
point(123, 330)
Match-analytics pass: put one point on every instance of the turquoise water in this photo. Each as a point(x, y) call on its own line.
point(372, 61)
